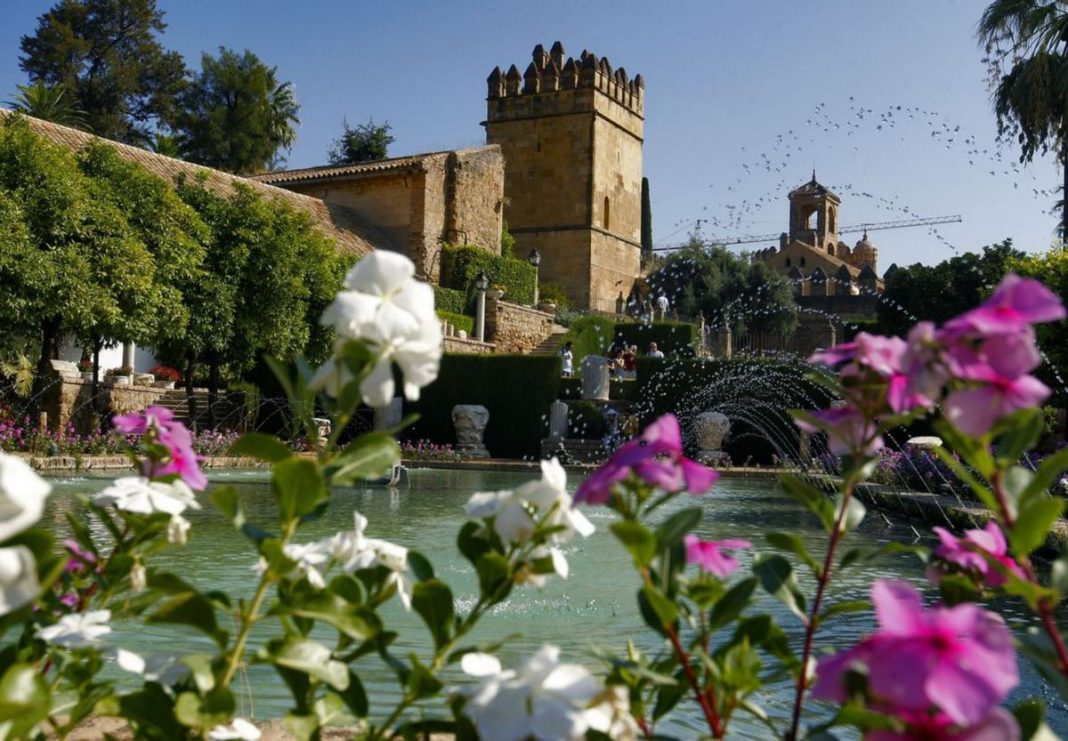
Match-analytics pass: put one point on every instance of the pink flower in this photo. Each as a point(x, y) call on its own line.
point(847, 431)
point(171, 434)
point(974, 411)
point(958, 659)
point(967, 552)
point(868, 351)
point(656, 458)
point(79, 557)
point(999, 725)
point(1016, 302)
point(709, 555)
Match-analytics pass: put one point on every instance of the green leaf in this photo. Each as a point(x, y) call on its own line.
point(25, 699)
point(432, 599)
point(667, 697)
point(981, 490)
point(1014, 483)
point(354, 696)
point(958, 588)
point(974, 453)
point(420, 566)
point(1030, 716)
point(671, 530)
point(1046, 474)
point(858, 605)
point(792, 543)
point(1016, 434)
point(302, 726)
point(854, 515)
point(214, 708)
point(472, 541)
point(202, 671)
point(355, 621)
point(262, 447)
point(664, 609)
point(636, 538)
point(731, 604)
point(1059, 573)
point(494, 575)
point(308, 657)
point(225, 499)
point(1033, 524)
point(368, 456)
point(192, 609)
point(777, 577)
point(299, 486)
point(812, 498)
point(421, 681)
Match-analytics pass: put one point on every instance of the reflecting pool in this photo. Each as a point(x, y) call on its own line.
point(594, 607)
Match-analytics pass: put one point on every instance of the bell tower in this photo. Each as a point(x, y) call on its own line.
point(571, 132)
point(814, 216)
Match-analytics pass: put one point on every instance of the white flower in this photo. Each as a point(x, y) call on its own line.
point(354, 551)
point(239, 729)
point(394, 313)
point(161, 668)
point(138, 578)
point(612, 715)
point(18, 578)
point(559, 564)
point(142, 496)
point(511, 520)
point(178, 530)
point(543, 699)
point(309, 558)
point(22, 496)
point(77, 630)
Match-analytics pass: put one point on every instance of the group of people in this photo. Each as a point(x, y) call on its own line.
point(622, 358)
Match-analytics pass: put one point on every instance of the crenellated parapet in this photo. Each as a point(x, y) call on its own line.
point(550, 72)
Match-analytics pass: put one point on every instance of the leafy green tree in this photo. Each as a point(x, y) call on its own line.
point(1052, 269)
point(363, 143)
point(235, 115)
point(48, 102)
point(107, 57)
point(940, 292)
point(268, 276)
point(725, 287)
point(1027, 47)
point(81, 268)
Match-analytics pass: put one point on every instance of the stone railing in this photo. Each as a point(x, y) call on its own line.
point(71, 399)
point(467, 345)
point(514, 328)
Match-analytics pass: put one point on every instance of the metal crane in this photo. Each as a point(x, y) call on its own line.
point(852, 228)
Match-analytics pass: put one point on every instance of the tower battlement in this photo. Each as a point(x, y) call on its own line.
point(559, 83)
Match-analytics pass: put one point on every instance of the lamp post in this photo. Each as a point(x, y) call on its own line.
point(535, 260)
point(481, 283)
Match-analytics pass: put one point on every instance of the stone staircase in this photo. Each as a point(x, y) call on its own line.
point(551, 345)
point(178, 403)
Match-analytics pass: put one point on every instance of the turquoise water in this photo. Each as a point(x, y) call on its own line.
point(594, 607)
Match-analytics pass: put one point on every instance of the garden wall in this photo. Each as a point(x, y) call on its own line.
point(514, 328)
point(71, 400)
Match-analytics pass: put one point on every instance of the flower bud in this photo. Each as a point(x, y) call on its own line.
point(178, 530)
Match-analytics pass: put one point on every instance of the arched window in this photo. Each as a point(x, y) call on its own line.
point(607, 213)
point(802, 262)
point(788, 262)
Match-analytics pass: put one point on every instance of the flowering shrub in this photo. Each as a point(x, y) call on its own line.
point(316, 612)
point(164, 373)
point(425, 450)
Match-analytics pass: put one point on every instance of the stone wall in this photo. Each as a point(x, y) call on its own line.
point(71, 400)
point(513, 328)
point(467, 346)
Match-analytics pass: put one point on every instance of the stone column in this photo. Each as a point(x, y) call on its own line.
point(595, 378)
point(480, 317)
point(557, 421)
point(129, 350)
point(390, 415)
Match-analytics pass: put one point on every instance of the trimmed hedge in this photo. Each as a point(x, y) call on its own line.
point(516, 389)
point(461, 264)
point(672, 338)
point(757, 395)
point(460, 321)
point(590, 335)
point(449, 299)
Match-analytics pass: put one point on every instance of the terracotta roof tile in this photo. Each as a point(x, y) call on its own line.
point(330, 172)
point(339, 223)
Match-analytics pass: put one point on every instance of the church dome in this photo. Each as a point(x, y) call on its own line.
point(865, 253)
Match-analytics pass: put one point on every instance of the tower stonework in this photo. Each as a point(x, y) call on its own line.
point(571, 132)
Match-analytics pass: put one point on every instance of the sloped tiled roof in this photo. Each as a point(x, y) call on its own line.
point(330, 172)
point(813, 188)
point(339, 223)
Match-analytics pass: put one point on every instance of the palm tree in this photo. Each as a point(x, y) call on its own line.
point(48, 102)
point(284, 109)
point(1027, 46)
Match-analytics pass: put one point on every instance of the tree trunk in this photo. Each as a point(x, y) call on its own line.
point(190, 398)
point(43, 374)
point(213, 390)
point(96, 405)
point(1064, 198)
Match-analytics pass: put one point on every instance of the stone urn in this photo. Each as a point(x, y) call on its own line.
point(495, 293)
point(547, 306)
point(712, 428)
point(470, 421)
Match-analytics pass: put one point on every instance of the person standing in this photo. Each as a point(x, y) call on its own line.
point(662, 306)
point(654, 351)
point(567, 354)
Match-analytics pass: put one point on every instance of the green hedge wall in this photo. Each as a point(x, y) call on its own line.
point(449, 299)
point(461, 264)
point(516, 389)
point(757, 394)
point(460, 321)
point(590, 335)
point(672, 338)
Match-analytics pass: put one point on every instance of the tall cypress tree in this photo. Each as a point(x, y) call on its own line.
point(647, 221)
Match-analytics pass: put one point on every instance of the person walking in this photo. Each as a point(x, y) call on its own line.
point(567, 354)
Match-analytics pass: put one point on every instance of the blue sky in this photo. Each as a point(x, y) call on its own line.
point(743, 98)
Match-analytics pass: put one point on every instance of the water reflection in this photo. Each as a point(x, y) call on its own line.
point(595, 606)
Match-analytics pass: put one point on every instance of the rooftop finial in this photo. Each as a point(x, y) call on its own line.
point(813, 174)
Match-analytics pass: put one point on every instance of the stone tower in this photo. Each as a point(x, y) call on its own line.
point(571, 132)
point(814, 200)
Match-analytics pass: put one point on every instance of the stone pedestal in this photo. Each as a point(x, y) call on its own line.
point(712, 428)
point(926, 443)
point(470, 421)
point(390, 415)
point(557, 421)
point(595, 378)
point(323, 428)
